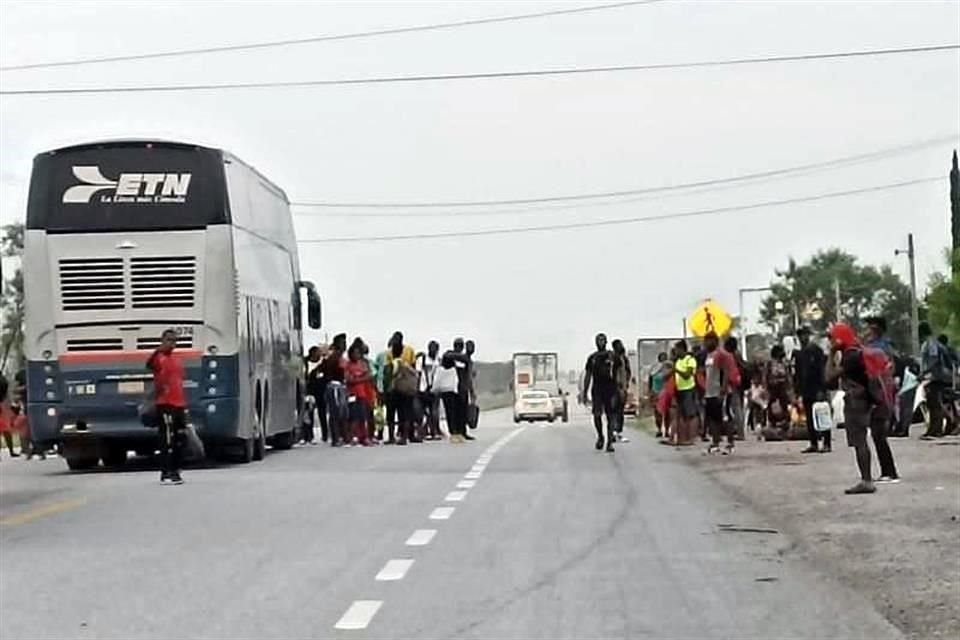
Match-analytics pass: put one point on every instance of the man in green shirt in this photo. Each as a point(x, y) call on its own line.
point(685, 378)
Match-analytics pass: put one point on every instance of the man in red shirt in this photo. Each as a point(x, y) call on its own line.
point(171, 406)
point(719, 377)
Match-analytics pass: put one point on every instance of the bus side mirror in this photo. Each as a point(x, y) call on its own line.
point(314, 315)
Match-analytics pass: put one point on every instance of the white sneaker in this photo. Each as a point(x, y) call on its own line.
point(888, 480)
point(624, 439)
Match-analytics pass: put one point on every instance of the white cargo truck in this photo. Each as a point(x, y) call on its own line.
point(538, 371)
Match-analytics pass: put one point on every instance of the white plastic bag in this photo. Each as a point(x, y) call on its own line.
point(837, 403)
point(822, 416)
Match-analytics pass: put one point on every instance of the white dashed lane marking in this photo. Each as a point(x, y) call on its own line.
point(359, 615)
point(421, 537)
point(394, 570)
point(442, 513)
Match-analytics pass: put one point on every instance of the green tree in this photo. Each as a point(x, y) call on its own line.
point(943, 300)
point(11, 299)
point(805, 294)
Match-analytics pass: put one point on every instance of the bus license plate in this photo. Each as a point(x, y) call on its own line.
point(130, 387)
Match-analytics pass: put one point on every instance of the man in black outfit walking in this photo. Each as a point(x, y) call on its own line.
point(809, 371)
point(599, 376)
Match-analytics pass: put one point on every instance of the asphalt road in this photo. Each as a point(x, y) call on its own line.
point(545, 538)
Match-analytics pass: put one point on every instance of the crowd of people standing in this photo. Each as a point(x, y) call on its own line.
point(713, 392)
point(392, 398)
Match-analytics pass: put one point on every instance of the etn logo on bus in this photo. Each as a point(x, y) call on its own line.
point(132, 188)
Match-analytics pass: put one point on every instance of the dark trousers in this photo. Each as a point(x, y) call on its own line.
point(879, 430)
point(617, 417)
point(399, 416)
point(335, 399)
point(716, 422)
point(905, 418)
point(605, 403)
point(320, 395)
point(172, 425)
point(812, 432)
point(8, 440)
point(308, 421)
point(455, 407)
point(934, 398)
point(431, 413)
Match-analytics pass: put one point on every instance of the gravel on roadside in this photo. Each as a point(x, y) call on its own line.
point(900, 547)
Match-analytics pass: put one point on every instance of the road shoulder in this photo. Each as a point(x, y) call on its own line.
point(900, 547)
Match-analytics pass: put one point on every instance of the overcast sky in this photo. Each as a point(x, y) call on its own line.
point(525, 138)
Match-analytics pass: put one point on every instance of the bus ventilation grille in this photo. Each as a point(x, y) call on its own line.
point(91, 284)
point(163, 281)
point(95, 344)
point(149, 344)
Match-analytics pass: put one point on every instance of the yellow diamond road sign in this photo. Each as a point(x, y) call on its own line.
point(709, 316)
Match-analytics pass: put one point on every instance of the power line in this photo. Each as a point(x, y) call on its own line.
point(325, 38)
point(496, 75)
point(621, 221)
point(700, 186)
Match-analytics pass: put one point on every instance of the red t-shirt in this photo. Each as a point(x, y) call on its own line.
point(355, 371)
point(168, 381)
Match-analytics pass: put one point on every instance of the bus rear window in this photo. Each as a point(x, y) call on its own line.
point(127, 187)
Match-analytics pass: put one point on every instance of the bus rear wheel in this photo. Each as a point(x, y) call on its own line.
point(115, 456)
point(81, 464)
point(285, 440)
point(242, 449)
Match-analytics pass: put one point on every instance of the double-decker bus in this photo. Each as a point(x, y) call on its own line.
point(125, 239)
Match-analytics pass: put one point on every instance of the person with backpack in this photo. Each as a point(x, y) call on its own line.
point(936, 369)
point(735, 400)
point(809, 369)
point(599, 383)
point(950, 393)
point(400, 382)
point(865, 375)
point(777, 382)
point(875, 337)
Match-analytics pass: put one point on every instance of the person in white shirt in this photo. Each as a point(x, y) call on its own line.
point(427, 364)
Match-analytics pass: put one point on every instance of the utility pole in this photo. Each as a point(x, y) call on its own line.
point(742, 319)
point(914, 310)
point(955, 201)
point(836, 295)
